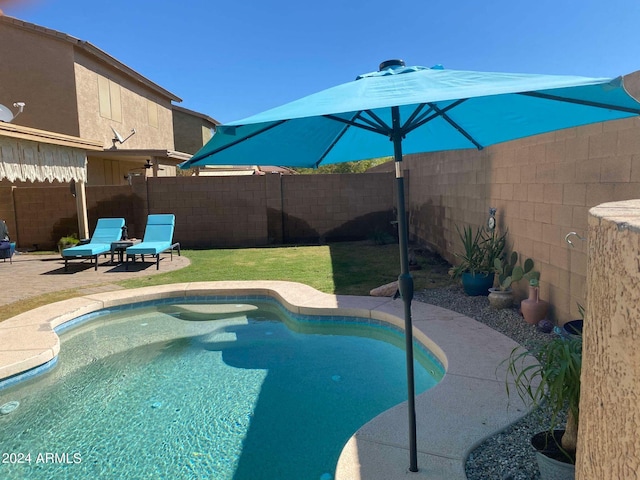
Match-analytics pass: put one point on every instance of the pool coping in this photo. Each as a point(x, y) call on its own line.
point(468, 405)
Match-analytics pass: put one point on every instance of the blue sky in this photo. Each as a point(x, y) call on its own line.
point(236, 58)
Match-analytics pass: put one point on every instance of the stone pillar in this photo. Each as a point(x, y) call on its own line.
point(609, 430)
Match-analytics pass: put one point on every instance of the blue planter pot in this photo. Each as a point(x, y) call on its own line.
point(477, 284)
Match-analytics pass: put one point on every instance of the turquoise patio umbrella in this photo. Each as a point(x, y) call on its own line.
point(400, 109)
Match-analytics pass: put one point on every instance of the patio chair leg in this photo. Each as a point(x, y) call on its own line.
point(96, 267)
point(158, 262)
point(66, 264)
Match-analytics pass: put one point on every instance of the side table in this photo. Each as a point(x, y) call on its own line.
point(120, 247)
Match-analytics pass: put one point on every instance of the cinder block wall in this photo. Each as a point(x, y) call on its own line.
point(542, 186)
point(608, 442)
point(43, 215)
point(336, 207)
point(213, 211)
point(218, 211)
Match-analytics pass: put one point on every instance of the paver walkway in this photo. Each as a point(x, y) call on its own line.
point(33, 274)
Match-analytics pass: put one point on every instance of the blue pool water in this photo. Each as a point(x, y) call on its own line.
point(236, 393)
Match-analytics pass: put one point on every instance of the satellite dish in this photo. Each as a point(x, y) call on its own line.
point(118, 137)
point(6, 115)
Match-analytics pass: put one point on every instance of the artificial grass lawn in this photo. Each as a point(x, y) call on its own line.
point(348, 268)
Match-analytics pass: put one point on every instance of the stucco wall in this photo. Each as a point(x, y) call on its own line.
point(133, 97)
point(38, 69)
point(542, 186)
point(608, 440)
point(188, 131)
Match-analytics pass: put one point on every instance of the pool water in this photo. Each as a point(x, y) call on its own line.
point(249, 393)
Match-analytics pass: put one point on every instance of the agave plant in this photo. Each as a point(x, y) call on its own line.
point(481, 249)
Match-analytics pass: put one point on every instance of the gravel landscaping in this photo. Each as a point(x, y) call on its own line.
point(507, 455)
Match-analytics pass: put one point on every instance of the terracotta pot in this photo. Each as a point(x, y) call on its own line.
point(533, 309)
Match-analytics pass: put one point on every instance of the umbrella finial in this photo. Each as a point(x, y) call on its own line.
point(391, 63)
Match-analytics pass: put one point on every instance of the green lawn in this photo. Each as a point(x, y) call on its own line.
point(347, 268)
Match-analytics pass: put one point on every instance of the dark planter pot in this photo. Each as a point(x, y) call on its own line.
point(477, 284)
point(553, 463)
point(574, 327)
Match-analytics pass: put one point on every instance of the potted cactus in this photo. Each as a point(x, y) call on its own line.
point(508, 272)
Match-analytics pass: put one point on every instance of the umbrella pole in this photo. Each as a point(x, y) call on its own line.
point(405, 285)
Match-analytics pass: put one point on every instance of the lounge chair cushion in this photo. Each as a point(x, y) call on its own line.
point(148, 248)
point(87, 250)
point(158, 235)
point(107, 230)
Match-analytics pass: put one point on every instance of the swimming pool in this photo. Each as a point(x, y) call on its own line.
point(165, 392)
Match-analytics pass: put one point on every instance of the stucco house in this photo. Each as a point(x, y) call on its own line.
point(71, 88)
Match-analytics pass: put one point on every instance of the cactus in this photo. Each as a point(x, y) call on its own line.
point(508, 272)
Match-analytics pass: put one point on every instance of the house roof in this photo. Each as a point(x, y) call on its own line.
point(42, 136)
point(203, 116)
point(170, 156)
point(94, 52)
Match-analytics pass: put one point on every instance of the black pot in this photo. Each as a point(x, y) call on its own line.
point(549, 445)
point(574, 327)
point(553, 462)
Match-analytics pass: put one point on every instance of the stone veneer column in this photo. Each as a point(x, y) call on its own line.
point(609, 431)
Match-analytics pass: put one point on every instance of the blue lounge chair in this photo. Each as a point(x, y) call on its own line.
point(107, 230)
point(158, 238)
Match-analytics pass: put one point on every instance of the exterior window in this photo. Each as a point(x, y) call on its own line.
point(152, 109)
point(109, 98)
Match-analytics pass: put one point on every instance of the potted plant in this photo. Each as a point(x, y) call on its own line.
point(552, 382)
point(476, 262)
point(68, 241)
point(508, 273)
point(534, 309)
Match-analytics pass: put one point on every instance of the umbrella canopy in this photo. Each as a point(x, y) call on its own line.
point(440, 110)
point(413, 109)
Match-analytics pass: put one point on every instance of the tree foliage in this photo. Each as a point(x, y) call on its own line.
point(345, 167)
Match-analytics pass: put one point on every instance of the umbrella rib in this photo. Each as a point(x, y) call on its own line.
point(380, 122)
point(464, 133)
point(353, 123)
point(413, 116)
point(192, 160)
point(333, 144)
point(348, 123)
point(581, 102)
point(422, 119)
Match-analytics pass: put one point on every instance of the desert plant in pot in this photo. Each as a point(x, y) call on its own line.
point(508, 273)
point(68, 241)
point(479, 249)
point(533, 308)
point(552, 382)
